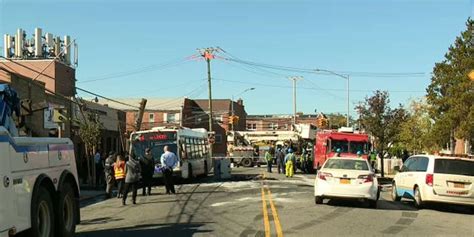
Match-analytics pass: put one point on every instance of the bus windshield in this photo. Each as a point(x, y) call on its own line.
point(156, 142)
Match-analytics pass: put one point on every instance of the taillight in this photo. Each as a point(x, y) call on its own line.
point(323, 175)
point(368, 178)
point(429, 179)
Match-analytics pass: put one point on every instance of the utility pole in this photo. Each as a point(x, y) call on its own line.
point(141, 111)
point(294, 79)
point(207, 54)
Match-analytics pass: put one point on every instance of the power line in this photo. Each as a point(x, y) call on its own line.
point(103, 97)
point(313, 71)
point(141, 70)
point(311, 88)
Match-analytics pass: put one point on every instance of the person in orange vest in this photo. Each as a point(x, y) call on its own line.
point(119, 171)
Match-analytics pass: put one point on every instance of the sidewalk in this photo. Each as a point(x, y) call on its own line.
point(88, 194)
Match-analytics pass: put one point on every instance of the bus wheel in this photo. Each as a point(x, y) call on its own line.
point(206, 169)
point(246, 162)
point(190, 172)
point(66, 212)
point(42, 214)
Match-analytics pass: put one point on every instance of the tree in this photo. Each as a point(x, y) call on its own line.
point(451, 93)
point(89, 131)
point(416, 129)
point(336, 120)
point(381, 121)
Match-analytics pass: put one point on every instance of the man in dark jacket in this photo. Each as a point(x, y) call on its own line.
point(132, 176)
point(280, 160)
point(109, 173)
point(148, 168)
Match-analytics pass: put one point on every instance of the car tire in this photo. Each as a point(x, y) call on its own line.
point(66, 215)
point(417, 196)
point(373, 204)
point(246, 162)
point(318, 200)
point(394, 195)
point(42, 214)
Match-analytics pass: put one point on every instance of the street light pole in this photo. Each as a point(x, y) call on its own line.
point(348, 96)
point(294, 79)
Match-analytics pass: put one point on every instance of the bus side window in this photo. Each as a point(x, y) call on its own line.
point(189, 148)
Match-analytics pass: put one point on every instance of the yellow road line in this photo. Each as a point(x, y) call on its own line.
point(265, 215)
point(275, 215)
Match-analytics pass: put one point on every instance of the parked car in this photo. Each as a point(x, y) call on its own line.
point(346, 178)
point(426, 178)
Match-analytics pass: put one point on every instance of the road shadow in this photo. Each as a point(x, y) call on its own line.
point(441, 207)
point(381, 204)
point(150, 231)
point(101, 220)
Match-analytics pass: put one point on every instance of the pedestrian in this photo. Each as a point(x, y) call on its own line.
point(373, 158)
point(269, 159)
point(119, 174)
point(132, 176)
point(99, 167)
point(289, 162)
point(109, 174)
point(280, 160)
point(148, 168)
point(359, 154)
point(168, 163)
point(338, 152)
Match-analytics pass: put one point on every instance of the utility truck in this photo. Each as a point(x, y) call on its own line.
point(247, 148)
point(39, 191)
point(345, 139)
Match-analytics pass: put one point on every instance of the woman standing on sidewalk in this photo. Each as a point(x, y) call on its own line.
point(132, 176)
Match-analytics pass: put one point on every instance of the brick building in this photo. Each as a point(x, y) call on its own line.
point(277, 122)
point(222, 109)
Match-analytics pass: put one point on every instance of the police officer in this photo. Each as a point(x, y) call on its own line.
point(148, 168)
point(168, 162)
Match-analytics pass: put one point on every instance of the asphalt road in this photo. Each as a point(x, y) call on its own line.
point(235, 208)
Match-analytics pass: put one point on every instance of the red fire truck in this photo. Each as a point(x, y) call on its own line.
point(345, 139)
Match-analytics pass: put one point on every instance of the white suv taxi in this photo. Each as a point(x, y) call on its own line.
point(427, 178)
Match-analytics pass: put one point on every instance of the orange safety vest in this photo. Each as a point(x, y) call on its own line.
point(119, 170)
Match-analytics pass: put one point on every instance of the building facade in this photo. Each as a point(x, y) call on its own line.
point(277, 122)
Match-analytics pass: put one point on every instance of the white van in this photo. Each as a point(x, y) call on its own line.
point(427, 178)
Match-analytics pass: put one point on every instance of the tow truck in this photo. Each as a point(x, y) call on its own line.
point(39, 191)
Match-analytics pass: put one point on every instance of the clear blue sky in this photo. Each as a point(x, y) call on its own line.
point(117, 37)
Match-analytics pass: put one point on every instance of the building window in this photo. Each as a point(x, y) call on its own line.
point(151, 118)
point(251, 126)
point(218, 138)
point(274, 126)
point(219, 118)
point(170, 117)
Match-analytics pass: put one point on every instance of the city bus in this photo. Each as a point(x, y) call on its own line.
point(190, 146)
